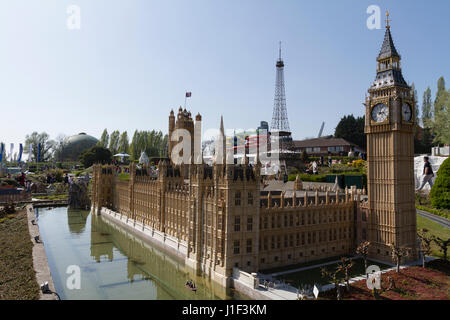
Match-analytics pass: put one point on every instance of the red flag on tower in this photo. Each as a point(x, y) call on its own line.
point(188, 94)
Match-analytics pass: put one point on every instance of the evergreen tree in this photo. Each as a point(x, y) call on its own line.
point(114, 142)
point(104, 140)
point(134, 147)
point(427, 109)
point(123, 143)
point(441, 125)
point(416, 105)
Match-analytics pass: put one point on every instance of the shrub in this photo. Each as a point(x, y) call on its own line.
point(309, 177)
point(58, 174)
point(96, 154)
point(440, 193)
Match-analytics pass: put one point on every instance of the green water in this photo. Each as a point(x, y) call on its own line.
point(114, 264)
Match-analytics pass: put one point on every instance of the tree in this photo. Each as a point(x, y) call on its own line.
point(154, 143)
point(416, 105)
point(134, 147)
point(96, 154)
point(103, 142)
point(352, 130)
point(398, 253)
point(334, 278)
point(427, 109)
point(42, 140)
point(164, 146)
point(114, 142)
point(363, 250)
point(442, 244)
point(345, 267)
point(59, 145)
point(304, 156)
point(123, 143)
point(425, 244)
point(441, 124)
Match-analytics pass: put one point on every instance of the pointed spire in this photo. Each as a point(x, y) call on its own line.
point(388, 48)
point(279, 57)
point(224, 141)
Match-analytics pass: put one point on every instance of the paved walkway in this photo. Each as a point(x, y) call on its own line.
point(276, 274)
point(40, 263)
point(438, 219)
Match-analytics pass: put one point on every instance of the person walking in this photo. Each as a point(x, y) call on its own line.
point(427, 174)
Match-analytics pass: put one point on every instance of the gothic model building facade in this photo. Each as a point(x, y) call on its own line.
point(219, 217)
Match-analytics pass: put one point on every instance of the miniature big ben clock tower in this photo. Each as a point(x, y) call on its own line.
point(390, 151)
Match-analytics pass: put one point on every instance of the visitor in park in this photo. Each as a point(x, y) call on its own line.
point(351, 153)
point(321, 160)
point(70, 180)
point(330, 160)
point(313, 168)
point(49, 178)
point(427, 174)
point(22, 179)
point(66, 178)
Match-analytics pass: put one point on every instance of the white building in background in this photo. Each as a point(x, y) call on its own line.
point(440, 151)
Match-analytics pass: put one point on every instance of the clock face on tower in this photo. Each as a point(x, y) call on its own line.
point(380, 112)
point(406, 112)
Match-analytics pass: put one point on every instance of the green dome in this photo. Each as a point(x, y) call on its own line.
point(76, 144)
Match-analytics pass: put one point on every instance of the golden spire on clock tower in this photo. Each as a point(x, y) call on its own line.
point(387, 20)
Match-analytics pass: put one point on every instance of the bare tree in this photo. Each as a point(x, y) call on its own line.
point(363, 250)
point(334, 278)
point(442, 244)
point(425, 244)
point(345, 267)
point(398, 253)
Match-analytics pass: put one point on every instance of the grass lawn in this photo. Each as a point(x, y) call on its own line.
point(433, 229)
point(17, 276)
point(412, 283)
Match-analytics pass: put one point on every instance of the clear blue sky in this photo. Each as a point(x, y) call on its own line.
point(132, 61)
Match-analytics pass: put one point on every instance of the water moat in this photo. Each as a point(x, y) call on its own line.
point(115, 264)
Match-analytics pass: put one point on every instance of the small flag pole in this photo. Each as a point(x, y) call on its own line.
point(185, 98)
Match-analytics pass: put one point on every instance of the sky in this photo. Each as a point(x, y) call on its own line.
point(132, 61)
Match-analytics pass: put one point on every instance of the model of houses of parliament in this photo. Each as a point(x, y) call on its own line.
point(219, 217)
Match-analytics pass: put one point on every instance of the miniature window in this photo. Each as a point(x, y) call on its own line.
point(249, 245)
point(237, 198)
point(249, 224)
point(250, 198)
point(237, 223)
point(236, 247)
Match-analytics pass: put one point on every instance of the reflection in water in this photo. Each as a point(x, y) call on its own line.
point(114, 263)
point(76, 219)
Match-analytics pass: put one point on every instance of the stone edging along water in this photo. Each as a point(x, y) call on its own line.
point(40, 262)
